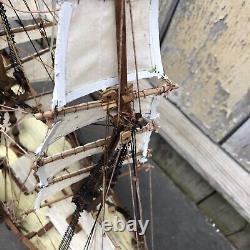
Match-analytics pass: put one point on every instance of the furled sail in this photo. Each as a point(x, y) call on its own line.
point(22, 170)
point(64, 159)
point(52, 165)
point(69, 122)
point(58, 217)
point(59, 184)
point(90, 52)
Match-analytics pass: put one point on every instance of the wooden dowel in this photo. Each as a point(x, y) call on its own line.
point(95, 104)
point(28, 28)
point(31, 57)
point(86, 147)
point(47, 204)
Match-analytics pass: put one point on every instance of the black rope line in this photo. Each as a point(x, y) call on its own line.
point(21, 23)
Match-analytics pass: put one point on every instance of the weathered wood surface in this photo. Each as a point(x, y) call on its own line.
point(178, 169)
point(218, 211)
point(206, 51)
point(238, 145)
point(222, 214)
point(223, 173)
point(241, 238)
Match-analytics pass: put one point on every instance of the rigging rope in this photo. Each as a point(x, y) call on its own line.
point(28, 12)
point(151, 208)
point(14, 57)
point(32, 43)
point(134, 49)
point(40, 28)
point(89, 195)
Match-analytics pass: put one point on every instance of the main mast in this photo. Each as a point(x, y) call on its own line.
point(89, 195)
point(115, 104)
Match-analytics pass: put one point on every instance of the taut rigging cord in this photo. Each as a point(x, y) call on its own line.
point(89, 195)
point(32, 43)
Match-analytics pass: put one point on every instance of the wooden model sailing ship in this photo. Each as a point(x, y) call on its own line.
point(85, 49)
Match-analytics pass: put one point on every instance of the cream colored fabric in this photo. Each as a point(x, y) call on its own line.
point(23, 12)
point(86, 55)
point(19, 5)
point(22, 169)
point(43, 100)
point(70, 122)
point(142, 141)
point(52, 168)
point(58, 217)
point(48, 191)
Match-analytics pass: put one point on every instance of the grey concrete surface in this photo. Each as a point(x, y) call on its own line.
point(8, 241)
point(178, 224)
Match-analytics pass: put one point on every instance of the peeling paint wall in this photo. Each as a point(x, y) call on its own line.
point(207, 52)
point(238, 145)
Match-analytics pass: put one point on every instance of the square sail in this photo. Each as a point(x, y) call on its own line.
point(86, 54)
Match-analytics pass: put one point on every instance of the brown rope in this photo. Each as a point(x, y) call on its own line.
point(28, 12)
point(134, 49)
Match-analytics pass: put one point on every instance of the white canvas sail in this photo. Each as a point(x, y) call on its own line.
point(43, 101)
point(51, 169)
point(61, 161)
point(22, 37)
point(90, 52)
point(69, 122)
point(19, 5)
point(22, 170)
point(53, 188)
point(35, 65)
point(58, 217)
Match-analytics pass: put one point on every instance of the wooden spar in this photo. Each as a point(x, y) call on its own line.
point(120, 15)
point(70, 175)
point(89, 146)
point(73, 151)
point(47, 204)
point(31, 56)
point(28, 27)
point(169, 86)
point(45, 229)
point(16, 231)
point(78, 172)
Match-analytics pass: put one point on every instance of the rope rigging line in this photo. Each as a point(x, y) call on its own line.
point(134, 50)
point(14, 56)
point(8, 171)
point(90, 194)
point(28, 12)
point(50, 11)
point(23, 60)
point(151, 208)
point(51, 45)
point(40, 27)
point(44, 229)
point(133, 203)
point(19, 73)
point(32, 43)
point(136, 181)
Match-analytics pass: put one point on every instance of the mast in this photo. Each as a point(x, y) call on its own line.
point(88, 196)
point(126, 141)
point(120, 14)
